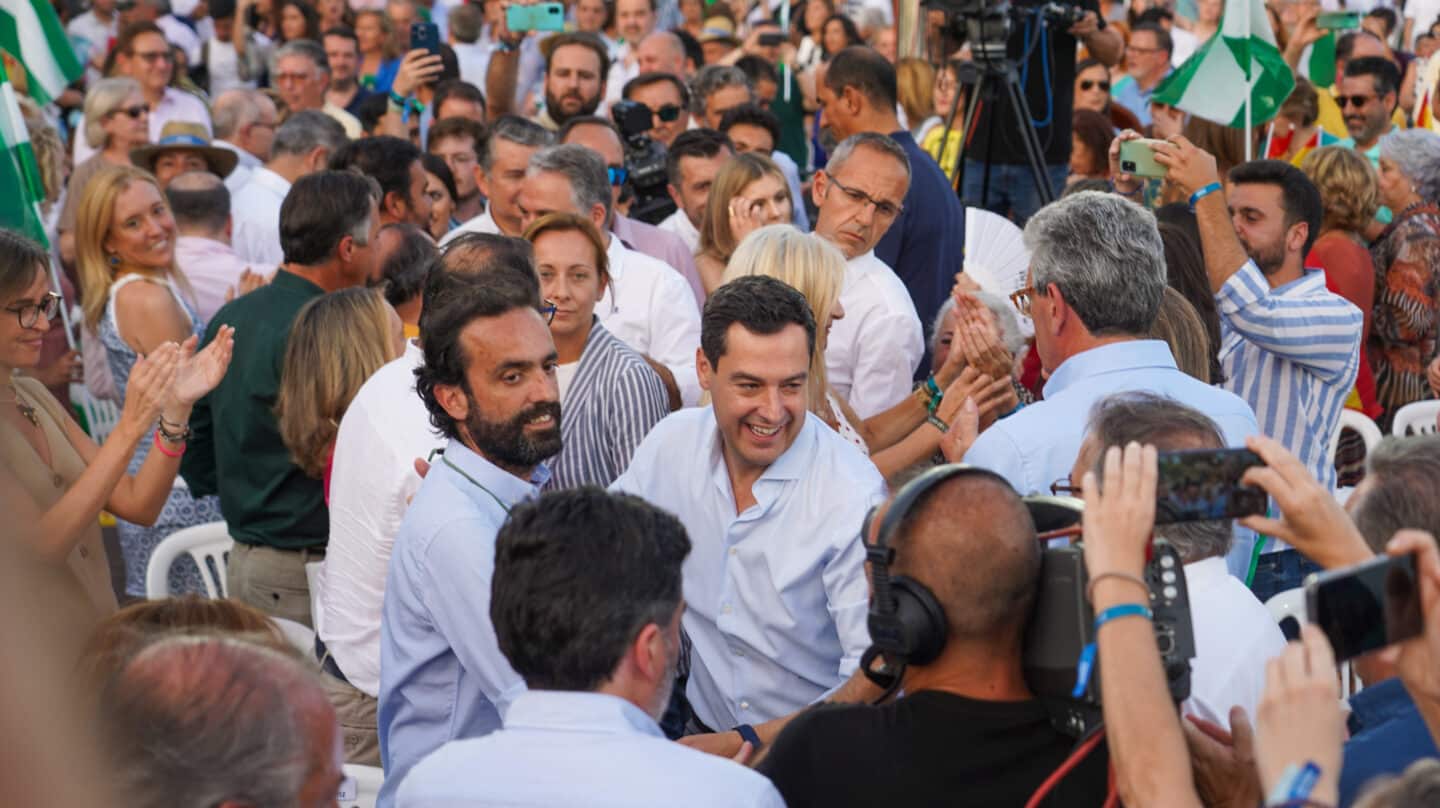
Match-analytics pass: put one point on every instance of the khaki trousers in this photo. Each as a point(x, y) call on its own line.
point(271, 580)
point(359, 722)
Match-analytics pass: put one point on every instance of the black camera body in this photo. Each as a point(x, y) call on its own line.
point(1063, 623)
point(645, 160)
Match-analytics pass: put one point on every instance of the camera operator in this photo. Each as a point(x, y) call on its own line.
point(1049, 85)
point(967, 724)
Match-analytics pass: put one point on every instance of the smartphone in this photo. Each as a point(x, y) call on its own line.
point(770, 39)
point(1338, 20)
point(426, 36)
point(1366, 607)
point(1138, 157)
point(537, 17)
point(1203, 484)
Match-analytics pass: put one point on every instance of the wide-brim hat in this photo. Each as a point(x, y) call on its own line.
point(186, 136)
point(718, 29)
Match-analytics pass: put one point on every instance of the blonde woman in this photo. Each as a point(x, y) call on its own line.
point(914, 82)
point(117, 119)
point(750, 192)
point(907, 433)
point(132, 299)
point(338, 341)
point(379, 60)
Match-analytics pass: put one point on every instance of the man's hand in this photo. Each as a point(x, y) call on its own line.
point(1224, 761)
point(1311, 520)
point(1125, 184)
point(1190, 167)
point(722, 744)
point(249, 282)
point(1420, 657)
point(1299, 718)
point(418, 67)
point(1089, 24)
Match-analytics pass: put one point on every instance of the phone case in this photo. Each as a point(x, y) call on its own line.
point(1137, 158)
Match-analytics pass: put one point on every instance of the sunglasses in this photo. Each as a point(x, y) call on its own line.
point(618, 174)
point(135, 113)
point(1353, 100)
point(1087, 85)
point(668, 113)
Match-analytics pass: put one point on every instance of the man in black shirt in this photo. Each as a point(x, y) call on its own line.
point(968, 731)
point(1048, 76)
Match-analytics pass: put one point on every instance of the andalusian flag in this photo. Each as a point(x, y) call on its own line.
point(1243, 54)
point(20, 187)
point(30, 31)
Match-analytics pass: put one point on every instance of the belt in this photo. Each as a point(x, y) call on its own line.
point(327, 662)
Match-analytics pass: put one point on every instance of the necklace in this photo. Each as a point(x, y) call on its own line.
point(26, 411)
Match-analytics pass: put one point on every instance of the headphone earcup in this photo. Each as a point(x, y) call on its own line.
point(921, 620)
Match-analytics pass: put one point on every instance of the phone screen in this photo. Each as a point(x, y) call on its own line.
point(1366, 607)
point(425, 36)
point(770, 39)
point(1203, 484)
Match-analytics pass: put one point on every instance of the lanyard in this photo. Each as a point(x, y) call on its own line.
point(475, 482)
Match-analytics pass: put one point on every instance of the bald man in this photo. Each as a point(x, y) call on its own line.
point(245, 122)
point(663, 52)
point(201, 205)
point(968, 724)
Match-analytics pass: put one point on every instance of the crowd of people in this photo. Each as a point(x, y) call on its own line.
point(627, 412)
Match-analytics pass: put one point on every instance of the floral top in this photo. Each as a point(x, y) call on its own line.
point(1407, 305)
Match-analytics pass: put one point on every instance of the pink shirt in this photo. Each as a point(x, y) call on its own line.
point(212, 268)
point(661, 245)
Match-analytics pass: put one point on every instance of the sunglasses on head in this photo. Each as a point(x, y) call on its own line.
point(1088, 84)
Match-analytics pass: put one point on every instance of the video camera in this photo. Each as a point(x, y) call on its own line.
point(644, 163)
point(987, 24)
point(1063, 622)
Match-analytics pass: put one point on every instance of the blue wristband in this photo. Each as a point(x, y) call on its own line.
point(1086, 663)
point(1123, 610)
point(1202, 193)
point(748, 733)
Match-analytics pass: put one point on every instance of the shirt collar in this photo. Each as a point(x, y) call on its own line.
point(788, 466)
point(1112, 358)
point(1205, 573)
point(285, 279)
point(574, 711)
point(269, 179)
point(1310, 280)
point(616, 252)
point(506, 487)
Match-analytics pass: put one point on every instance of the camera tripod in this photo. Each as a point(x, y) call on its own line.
point(990, 74)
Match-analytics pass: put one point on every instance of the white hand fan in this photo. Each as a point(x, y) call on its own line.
point(995, 256)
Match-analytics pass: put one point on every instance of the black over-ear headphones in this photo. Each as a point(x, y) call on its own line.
point(906, 621)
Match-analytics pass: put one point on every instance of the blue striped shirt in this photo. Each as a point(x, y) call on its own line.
point(1291, 352)
point(614, 400)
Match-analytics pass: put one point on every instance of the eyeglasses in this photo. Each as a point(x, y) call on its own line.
point(547, 310)
point(151, 57)
point(1087, 85)
point(884, 209)
point(1138, 49)
point(667, 113)
point(134, 113)
point(1063, 488)
point(618, 174)
point(288, 77)
point(1022, 298)
point(29, 313)
point(1353, 100)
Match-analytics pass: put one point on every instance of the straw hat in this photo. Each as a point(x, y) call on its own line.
point(718, 29)
point(186, 136)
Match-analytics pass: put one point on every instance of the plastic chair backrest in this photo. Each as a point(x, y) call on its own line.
point(100, 416)
point(1417, 418)
point(209, 544)
point(1360, 423)
point(367, 780)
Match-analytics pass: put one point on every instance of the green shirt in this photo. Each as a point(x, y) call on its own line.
point(235, 448)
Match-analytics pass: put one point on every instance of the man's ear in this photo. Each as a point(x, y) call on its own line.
point(1059, 307)
point(1295, 237)
point(394, 205)
point(597, 216)
point(818, 186)
point(703, 369)
point(454, 400)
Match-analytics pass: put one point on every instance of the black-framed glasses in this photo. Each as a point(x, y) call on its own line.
point(667, 112)
point(547, 310)
point(1063, 488)
point(1087, 85)
point(1344, 101)
point(883, 208)
point(29, 313)
point(134, 113)
point(618, 174)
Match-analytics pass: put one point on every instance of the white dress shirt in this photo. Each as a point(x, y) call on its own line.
point(372, 479)
point(480, 224)
point(649, 307)
point(255, 217)
point(175, 105)
point(874, 350)
point(679, 224)
point(1234, 637)
point(776, 597)
point(243, 170)
point(589, 750)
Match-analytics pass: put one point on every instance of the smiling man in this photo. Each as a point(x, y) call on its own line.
point(773, 500)
point(488, 381)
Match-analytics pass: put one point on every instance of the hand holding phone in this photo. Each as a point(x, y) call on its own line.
point(1420, 657)
point(1366, 607)
point(425, 36)
point(1338, 20)
point(1137, 157)
point(1204, 484)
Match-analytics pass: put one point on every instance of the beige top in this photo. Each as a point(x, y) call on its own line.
point(47, 484)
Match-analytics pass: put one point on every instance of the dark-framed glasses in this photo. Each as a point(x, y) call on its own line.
point(883, 208)
point(134, 113)
point(547, 310)
point(1063, 488)
point(667, 112)
point(1089, 84)
point(1344, 101)
point(29, 313)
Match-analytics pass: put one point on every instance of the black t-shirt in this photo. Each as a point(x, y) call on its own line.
point(1054, 81)
point(929, 748)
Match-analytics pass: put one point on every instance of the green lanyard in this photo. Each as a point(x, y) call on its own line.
point(473, 481)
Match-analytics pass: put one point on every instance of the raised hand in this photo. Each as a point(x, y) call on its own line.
point(1125, 184)
point(199, 373)
point(1120, 520)
point(964, 429)
point(1311, 520)
point(746, 216)
point(1298, 720)
point(1420, 657)
point(977, 336)
point(152, 382)
point(418, 67)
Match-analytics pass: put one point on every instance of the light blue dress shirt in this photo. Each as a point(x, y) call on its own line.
point(580, 750)
point(442, 675)
point(776, 596)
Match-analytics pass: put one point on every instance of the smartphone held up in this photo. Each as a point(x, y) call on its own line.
point(1204, 484)
point(1366, 607)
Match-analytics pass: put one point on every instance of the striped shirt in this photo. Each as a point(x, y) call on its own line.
point(607, 410)
point(1292, 352)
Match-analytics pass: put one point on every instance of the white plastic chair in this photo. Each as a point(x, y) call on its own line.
point(100, 416)
point(208, 544)
point(1360, 423)
point(299, 635)
point(361, 786)
point(1417, 418)
point(1290, 603)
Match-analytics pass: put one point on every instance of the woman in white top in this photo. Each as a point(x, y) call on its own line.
point(905, 434)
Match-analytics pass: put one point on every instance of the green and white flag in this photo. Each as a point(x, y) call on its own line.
point(21, 189)
point(30, 31)
point(1211, 82)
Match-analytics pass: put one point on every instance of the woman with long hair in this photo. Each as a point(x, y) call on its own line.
point(337, 342)
point(299, 20)
point(609, 395)
point(135, 299)
point(67, 476)
point(748, 193)
point(915, 83)
point(903, 435)
point(378, 60)
point(838, 33)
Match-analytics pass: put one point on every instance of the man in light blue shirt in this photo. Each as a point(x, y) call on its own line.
point(586, 600)
point(488, 381)
point(1147, 63)
point(773, 500)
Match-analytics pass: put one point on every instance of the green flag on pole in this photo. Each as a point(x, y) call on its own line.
point(1210, 83)
point(30, 31)
point(20, 187)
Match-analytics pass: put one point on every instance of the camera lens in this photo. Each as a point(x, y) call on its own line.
point(1128, 166)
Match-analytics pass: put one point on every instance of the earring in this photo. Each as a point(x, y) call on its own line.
point(114, 260)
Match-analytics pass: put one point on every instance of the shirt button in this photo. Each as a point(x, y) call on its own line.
point(725, 608)
point(733, 551)
point(744, 705)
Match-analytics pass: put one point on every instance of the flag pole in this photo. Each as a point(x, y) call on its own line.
point(1249, 84)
